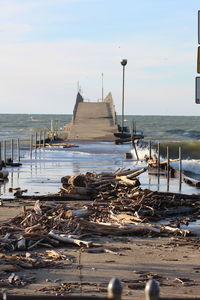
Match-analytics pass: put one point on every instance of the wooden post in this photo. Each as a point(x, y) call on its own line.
point(52, 130)
point(11, 179)
point(44, 139)
point(152, 290)
point(18, 149)
point(56, 129)
point(31, 146)
point(40, 137)
point(11, 150)
point(158, 163)
point(180, 168)
point(36, 141)
point(115, 289)
point(134, 146)
point(168, 167)
point(150, 150)
point(0, 154)
point(4, 152)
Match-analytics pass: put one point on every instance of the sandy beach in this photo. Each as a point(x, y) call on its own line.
point(136, 260)
point(132, 259)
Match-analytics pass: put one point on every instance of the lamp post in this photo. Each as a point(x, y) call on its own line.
point(123, 63)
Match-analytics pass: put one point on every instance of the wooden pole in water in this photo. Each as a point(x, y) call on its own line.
point(36, 141)
point(44, 138)
point(180, 168)
point(31, 146)
point(12, 150)
point(158, 163)
point(134, 146)
point(52, 130)
point(149, 149)
point(40, 137)
point(0, 152)
point(18, 149)
point(56, 129)
point(168, 168)
point(4, 152)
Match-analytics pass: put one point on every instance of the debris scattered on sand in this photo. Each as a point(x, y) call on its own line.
point(119, 206)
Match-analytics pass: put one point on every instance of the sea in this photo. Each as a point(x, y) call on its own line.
point(41, 170)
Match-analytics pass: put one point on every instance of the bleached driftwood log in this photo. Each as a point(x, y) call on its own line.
point(136, 173)
point(66, 239)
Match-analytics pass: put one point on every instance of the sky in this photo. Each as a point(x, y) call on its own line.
point(49, 47)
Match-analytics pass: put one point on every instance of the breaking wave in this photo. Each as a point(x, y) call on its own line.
point(190, 155)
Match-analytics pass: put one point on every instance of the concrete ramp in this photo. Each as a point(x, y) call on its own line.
point(93, 120)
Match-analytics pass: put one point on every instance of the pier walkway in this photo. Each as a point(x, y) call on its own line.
point(93, 120)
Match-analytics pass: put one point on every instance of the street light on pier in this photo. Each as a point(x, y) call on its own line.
point(123, 63)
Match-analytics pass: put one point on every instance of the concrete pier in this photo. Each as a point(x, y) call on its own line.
point(93, 120)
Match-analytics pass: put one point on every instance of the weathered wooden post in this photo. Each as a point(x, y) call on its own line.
point(134, 146)
point(11, 150)
point(158, 163)
point(168, 167)
point(180, 168)
point(115, 289)
point(152, 290)
point(150, 149)
point(56, 129)
point(31, 146)
point(44, 133)
point(52, 130)
point(11, 179)
point(4, 150)
point(18, 149)
point(36, 142)
point(40, 137)
point(134, 126)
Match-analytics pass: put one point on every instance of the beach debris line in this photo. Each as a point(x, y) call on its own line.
point(51, 225)
point(15, 262)
point(119, 206)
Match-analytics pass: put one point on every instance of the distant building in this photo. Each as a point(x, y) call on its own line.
point(93, 120)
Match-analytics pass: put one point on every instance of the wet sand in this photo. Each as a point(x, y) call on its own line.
point(138, 259)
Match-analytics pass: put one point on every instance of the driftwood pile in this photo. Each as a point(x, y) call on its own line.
point(106, 185)
point(119, 206)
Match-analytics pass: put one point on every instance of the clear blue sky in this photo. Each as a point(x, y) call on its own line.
point(47, 46)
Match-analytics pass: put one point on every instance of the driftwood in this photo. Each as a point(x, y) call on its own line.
point(191, 181)
point(117, 206)
point(153, 162)
point(125, 180)
point(56, 197)
point(136, 173)
point(66, 239)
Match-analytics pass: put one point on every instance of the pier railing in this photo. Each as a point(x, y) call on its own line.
point(11, 149)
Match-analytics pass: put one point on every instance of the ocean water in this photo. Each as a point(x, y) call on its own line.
point(41, 173)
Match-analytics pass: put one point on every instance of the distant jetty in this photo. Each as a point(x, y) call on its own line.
point(93, 120)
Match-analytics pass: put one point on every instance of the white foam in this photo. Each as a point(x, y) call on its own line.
point(192, 165)
point(142, 152)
